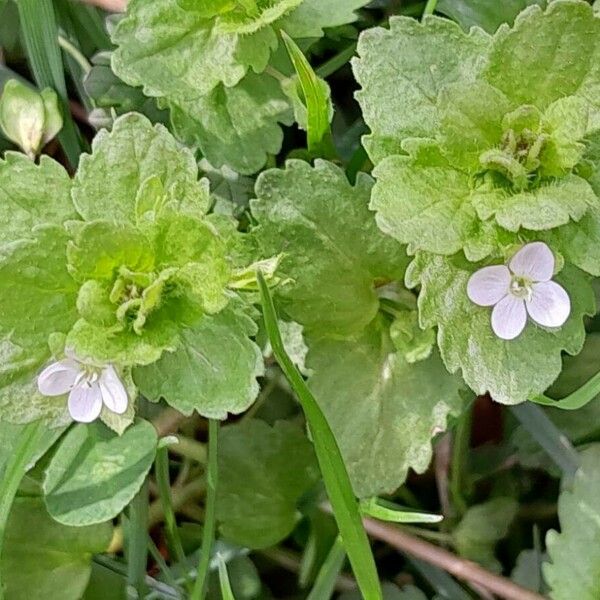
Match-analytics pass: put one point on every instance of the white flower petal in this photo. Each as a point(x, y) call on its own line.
point(58, 378)
point(550, 305)
point(489, 285)
point(509, 317)
point(85, 402)
point(113, 391)
point(534, 261)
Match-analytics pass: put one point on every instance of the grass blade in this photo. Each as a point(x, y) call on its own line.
point(14, 471)
point(552, 440)
point(208, 535)
point(226, 591)
point(137, 541)
point(393, 513)
point(337, 482)
point(318, 133)
point(40, 34)
point(579, 398)
point(327, 576)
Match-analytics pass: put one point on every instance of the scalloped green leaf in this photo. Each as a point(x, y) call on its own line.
point(236, 126)
point(511, 371)
point(383, 411)
point(31, 195)
point(213, 371)
point(263, 473)
point(95, 473)
point(44, 560)
point(402, 69)
point(334, 255)
point(137, 161)
point(574, 567)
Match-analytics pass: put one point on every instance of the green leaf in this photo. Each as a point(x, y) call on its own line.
point(37, 299)
point(44, 560)
point(396, 407)
point(317, 100)
point(235, 126)
point(213, 371)
point(313, 16)
point(511, 371)
point(94, 473)
point(334, 254)
point(562, 63)
point(180, 54)
point(32, 195)
point(390, 592)
point(487, 15)
point(482, 527)
point(132, 163)
point(402, 70)
point(263, 472)
point(574, 570)
point(337, 482)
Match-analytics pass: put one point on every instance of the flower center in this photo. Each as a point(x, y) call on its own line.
point(88, 375)
point(520, 287)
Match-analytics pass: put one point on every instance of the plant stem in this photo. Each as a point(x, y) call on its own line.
point(460, 448)
point(137, 548)
point(161, 467)
point(461, 568)
point(190, 449)
point(14, 471)
point(208, 534)
point(75, 54)
point(430, 7)
point(336, 62)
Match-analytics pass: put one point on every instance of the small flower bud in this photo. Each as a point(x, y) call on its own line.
point(28, 118)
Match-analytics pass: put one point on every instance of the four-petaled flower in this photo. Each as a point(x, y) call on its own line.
point(89, 387)
point(520, 288)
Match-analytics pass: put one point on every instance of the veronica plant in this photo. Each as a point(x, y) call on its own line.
point(486, 144)
point(105, 274)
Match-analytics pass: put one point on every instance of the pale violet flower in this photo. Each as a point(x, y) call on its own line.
point(89, 387)
point(523, 287)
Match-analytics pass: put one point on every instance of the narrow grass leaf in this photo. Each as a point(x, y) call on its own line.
point(226, 591)
point(337, 482)
point(317, 104)
point(579, 398)
point(327, 576)
point(388, 511)
point(548, 436)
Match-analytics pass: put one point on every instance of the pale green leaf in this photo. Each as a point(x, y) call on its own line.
point(235, 126)
point(334, 254)
point(401, 70)
point(180, 54)
point(482, 527)
point(214, 369)
point(566, 57)
point(134, 162)
point(263, 472)
point(383, 411)
point(574, 570)
point(44, 560)
point(312, 16)
point(487, 15)
point(37, 299)
point(511, 371)
point(31, 195)
point(94, 473)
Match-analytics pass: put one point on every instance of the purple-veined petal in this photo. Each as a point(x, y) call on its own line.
point(85, 402)
point(550, 304)
point(489, 285)
point(59, 377)
point(534, 261)
point(113, 391)
point(509, 317)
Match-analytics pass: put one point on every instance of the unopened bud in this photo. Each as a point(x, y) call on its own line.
point(27, 118)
